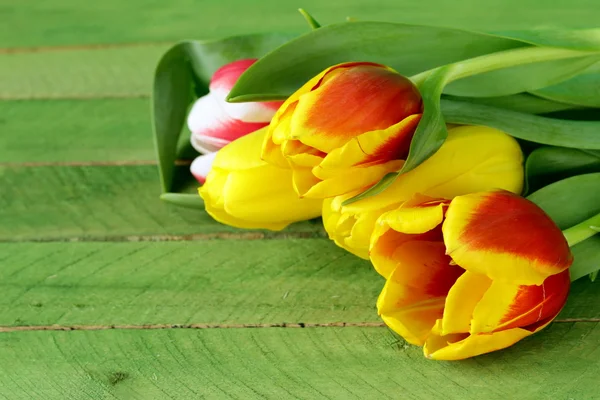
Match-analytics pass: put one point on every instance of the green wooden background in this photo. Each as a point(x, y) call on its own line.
point(108, 293)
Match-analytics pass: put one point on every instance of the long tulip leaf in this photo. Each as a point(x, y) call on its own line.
point(183, 73)
point(583, 89)
point(183, 200)
point(577, 39)
point(171, 97)
point(550, 131)
point(522, 78)
point(547, 164)
point(569, 202)
point(409, 49)
point(521, 102)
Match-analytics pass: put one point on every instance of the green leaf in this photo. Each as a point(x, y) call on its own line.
point(522, 102)
point(186, 69)
point(409, 49)
point(309, 19)
point(547, 164)
point(522, 78)
point(550, 131)
point(431, 131)
point(429, 136)
point(171, 96)
point(183, 200)
point(577, 39)
point(587, 258)
point(208, 56)
point(569, 202)
point(583, 89)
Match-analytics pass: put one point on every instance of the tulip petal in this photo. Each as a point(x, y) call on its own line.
point(201, 166)
point(461, 302)
point(352, 99)
point(417, 219)
point(348, 231)
point(505, 306)
point(226, 76)
point(223, 81)
point(360, 233)
point(272, 151)
point(414, 294)
point(377, 146)
point(243, 191)
point(244, 200)
point(506, 237)
point(211, 125)
point(301, 155)
point(207, 145)
point(266, 193)
point(459, 346)
point(212, 189)
point(252, 111)
point(343, 181)
point(242, 153)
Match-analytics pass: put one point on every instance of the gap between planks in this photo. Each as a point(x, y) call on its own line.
point(6, 329)
point(108, 96)
point(99, 46)
point(178, 238)
point(89, 163)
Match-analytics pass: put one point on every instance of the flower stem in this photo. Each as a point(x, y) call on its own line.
point(504, 59)
point(583, 230)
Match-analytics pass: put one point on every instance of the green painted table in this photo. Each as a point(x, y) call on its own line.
point(108, 293)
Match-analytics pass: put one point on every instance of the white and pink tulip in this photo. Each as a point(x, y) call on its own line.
point(214, 122)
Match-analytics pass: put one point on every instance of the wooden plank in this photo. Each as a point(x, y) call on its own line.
point(201, 282)
point(100, 203)
point(330, 363)
point(60, 22)
point(72, 131)
point(226, 282)
point(84, 73)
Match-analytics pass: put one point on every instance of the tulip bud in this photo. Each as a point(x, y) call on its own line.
point(244, 191)
point(471, 275)
point(472, 159)
point(344, 129)
point(214, 122)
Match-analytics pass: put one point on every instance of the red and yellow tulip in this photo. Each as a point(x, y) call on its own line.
point(244, 191)
point(473, 159)
point(344, 129)
point(471, 275)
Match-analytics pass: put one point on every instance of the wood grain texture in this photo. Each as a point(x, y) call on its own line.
point(225, 282)
point(79, 74)
point(63, 22)
point(200, 282)
point(561, 362)
point(111, 260)
point(70, 131)
point(99, 203)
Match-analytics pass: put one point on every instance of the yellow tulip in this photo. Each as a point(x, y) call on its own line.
point(472, 159)
point(471, 275)
point(243, 191)
point(344, 129)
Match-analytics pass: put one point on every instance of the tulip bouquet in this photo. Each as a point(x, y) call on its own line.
point(464, 165)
